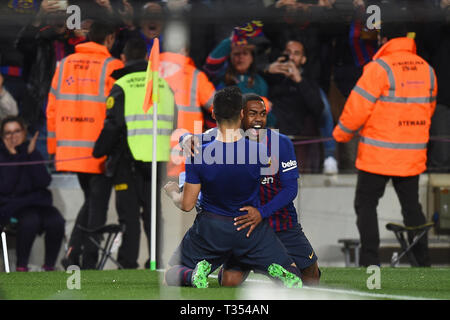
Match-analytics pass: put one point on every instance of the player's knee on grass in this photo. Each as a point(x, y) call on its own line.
point(172, 276)
point(294, 269)
point(311, 275)
point(232, 278)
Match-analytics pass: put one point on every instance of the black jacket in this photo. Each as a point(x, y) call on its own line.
point(22, 186)
point(441, 64)
point(112, 141)
point(293, 102)
point(38, 47)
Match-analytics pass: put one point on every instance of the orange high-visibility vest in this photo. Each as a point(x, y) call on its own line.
point(391, 106)
point(76, 106)
point(193, 92)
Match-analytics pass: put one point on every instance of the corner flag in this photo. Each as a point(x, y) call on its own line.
point(151, 77)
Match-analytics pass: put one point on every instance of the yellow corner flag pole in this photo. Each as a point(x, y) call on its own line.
point(151, 99)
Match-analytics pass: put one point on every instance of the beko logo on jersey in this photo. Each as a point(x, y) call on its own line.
point(291, 164)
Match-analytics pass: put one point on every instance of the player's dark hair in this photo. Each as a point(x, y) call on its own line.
point(9, 119)
point(228, 104)
point(99, 30)
point(250, 97)
point(135, 49)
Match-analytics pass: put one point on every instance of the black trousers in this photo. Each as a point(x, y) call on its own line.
point(33, 221)
point(97, 192)
point(369, 189)
point(132, 183)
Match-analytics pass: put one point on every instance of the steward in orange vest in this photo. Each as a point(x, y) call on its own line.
point(391, 107)
point(75, 116)
point(194, 94)
point(77, 106)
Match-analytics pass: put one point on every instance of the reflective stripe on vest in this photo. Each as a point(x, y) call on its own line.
point(192, 107)
point(140, 125)
point(393, 145)
point(100, 97)
point(391, 97)
point(408, 100)
point(432, 79)
point(365, 94)
point(345, 129)
point(390, 75)
point(75, 143)
point(148, 117)
point(149, 132)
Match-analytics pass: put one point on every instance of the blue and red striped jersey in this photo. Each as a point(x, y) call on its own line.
point(286, 217)
point(284, 179)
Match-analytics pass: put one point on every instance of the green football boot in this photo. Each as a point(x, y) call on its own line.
point(289, 279)
point(200, 274)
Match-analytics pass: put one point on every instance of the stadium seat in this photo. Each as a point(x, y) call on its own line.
point(401, 232)
point(350, 244)
point(111, 231)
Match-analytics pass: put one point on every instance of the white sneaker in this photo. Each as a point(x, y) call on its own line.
point(330, 166)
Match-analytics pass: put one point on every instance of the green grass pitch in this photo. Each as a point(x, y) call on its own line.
point(336, 283)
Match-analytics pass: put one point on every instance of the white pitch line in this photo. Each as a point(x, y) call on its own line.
point(343, 291)
point(339, 291)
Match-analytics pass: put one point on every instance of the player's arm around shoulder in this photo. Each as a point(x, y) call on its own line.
point(190, 196)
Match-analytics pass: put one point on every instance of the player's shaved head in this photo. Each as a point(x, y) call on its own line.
point(250, 97)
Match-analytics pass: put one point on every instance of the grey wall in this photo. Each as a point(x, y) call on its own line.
point(324, 203)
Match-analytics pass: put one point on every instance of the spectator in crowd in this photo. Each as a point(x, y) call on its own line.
point(439, 151)
point(304, 20)
point(393, 122)
point(8, 106)
point(127, 129)
point(14, 16)
point(149, 25)
point(95, 9)
point(193, 92)
point(75, 115)
point(298, 106)
point(354, 46)
point(44, 42)
point(25, 199)
point(233, 61)
point(201, 31)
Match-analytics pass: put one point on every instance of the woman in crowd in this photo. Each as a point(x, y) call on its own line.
point(25, 199)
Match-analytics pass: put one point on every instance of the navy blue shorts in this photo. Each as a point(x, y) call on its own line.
point(296, 244)
point(214, 238)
